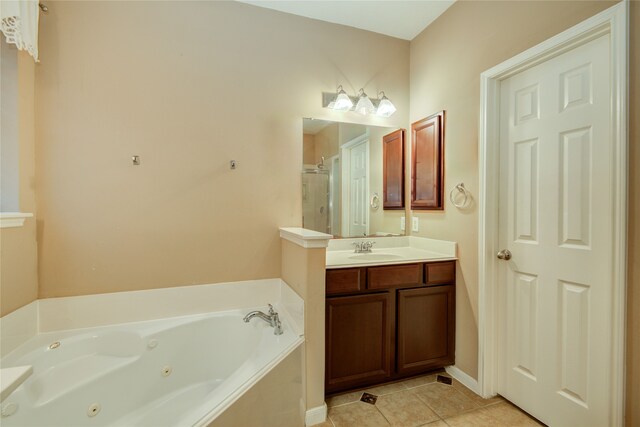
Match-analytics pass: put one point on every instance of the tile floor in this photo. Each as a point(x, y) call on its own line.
point(422, 401)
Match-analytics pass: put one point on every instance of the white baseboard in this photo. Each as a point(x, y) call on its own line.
point(316, 415)
point(464, 378)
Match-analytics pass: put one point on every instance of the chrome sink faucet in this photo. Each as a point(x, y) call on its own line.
point(272, 319)
point(364, 247)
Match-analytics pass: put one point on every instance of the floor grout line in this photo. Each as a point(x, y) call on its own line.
point(478, 406)
point(383, 416)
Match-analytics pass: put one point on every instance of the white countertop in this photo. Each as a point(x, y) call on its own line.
point(389, 250)
point(11, 378)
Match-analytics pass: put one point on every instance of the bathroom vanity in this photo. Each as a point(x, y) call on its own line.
point(389, 313)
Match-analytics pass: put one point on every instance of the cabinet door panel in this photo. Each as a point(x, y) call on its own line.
point(427, 152)
point(426, 328)
point(359, 340)
point(393, 170)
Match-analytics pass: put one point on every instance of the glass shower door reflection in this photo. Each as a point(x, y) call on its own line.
point(315, 200)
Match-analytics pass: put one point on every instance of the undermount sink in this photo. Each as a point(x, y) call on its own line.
point(376, 257)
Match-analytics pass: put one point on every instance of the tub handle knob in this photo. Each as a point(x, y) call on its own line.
point(277, 325)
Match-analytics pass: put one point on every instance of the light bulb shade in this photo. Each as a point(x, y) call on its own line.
point(385, 107)
point(342, 102)
point(364, 105)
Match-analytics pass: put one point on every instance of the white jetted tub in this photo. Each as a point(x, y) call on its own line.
point(181, 371)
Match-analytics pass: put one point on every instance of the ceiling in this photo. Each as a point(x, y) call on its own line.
point(403, 19)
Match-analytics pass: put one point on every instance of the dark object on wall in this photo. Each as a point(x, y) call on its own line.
point(393, 170)
point(427, 162)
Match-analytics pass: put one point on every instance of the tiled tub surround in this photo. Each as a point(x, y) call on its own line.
point(389, 250)
point(423, 401)
point(168, 342)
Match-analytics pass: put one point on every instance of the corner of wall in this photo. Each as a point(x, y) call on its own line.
point(19, 273)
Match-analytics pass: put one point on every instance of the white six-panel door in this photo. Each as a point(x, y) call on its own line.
point(555, 316)
point(358, 190)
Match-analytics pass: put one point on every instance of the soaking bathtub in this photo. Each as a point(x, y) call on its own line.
point(182, 371)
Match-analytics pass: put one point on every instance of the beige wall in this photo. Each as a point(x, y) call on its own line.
point(446, 61)
point(308, 149)
point(18, 248)
point(188, 86)
point(326, 143)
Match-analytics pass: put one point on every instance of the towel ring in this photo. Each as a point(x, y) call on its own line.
point(465, 196)
point(375, 201)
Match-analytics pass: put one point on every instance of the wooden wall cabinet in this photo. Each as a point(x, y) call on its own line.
point(427, 163)
point(393, 170)
point(388, 322)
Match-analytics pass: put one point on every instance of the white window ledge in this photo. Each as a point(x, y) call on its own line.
point(13, 219)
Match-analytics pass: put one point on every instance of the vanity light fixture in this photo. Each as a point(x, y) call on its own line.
point(342, 101)
point(364, 105)
point(385, 107)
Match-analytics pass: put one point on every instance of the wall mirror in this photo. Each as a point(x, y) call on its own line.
point(344, 189)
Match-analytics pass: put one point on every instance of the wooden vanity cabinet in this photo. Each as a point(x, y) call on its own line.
point(388, 322)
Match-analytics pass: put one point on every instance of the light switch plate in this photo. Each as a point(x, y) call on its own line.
point(403, 223)
point(415, 224)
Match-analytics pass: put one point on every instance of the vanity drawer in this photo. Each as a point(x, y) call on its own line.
point(344, 280)
point(393, 276)
point(438, 273)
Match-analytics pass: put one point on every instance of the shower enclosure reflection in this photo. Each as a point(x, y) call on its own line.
point(342, 180)
point(315, 200)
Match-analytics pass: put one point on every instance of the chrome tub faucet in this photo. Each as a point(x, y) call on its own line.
point(272, 319)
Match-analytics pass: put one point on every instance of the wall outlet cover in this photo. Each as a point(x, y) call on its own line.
point(415, 224)
point(403, 223)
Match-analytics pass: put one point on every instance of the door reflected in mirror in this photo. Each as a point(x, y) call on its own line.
point(342, 180)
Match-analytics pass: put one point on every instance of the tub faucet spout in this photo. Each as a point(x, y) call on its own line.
point(272, 319)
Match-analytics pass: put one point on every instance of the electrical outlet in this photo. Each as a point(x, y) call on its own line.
point(403, 223)
point(415, 224)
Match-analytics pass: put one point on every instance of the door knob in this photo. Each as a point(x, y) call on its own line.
point(504, 254)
